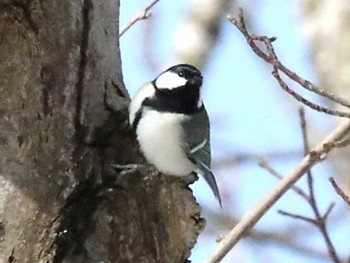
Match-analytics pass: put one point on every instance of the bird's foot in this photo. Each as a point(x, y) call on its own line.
point(130, 168)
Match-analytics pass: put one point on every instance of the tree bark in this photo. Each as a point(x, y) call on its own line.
point(60, 200)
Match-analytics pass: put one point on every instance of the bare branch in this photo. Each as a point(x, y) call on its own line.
point(328, 211)
point(141, 15)
point(303, 130)
point(296, 216)
point(343, 143)
point(287, 238)
point(256, 213)
point(263, 164)
point(321, 224)
point(339, 191)
point(310, 159)
point(270, 57)
point(304, 101)
point(319, 221)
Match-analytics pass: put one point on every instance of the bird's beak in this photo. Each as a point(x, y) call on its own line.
point(196, 81)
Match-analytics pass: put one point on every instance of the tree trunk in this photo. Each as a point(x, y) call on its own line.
point(60, 200)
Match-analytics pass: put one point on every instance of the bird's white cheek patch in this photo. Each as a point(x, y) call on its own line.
point(199, 103)
point(146, 91)
point(170, 80)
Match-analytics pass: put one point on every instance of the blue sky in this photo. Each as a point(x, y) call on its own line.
point(249, 113)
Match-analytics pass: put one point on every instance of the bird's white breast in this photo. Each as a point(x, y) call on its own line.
point(160, 136)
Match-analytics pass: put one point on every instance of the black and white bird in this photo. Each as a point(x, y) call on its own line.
point(172, 125)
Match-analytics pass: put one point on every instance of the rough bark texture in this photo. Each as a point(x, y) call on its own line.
point(60, 201)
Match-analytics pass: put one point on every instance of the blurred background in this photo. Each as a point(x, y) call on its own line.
point(251, 117)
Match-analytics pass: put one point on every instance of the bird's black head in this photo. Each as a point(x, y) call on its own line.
point(177, 90)
point(188, 72)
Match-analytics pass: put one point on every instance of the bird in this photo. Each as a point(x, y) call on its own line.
point(172, 125)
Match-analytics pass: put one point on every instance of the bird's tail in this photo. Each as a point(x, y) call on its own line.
point(209, 177)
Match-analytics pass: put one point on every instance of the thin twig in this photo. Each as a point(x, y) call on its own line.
point(241, 26)
point(141, 15)
point(263, 164)
point(319, 221)
point(256, 213)
point(296, 216)
point(306, 146)
point(339, 191)
point(270, 57)
point(328, 211)
point(304, 130)
point(304, 101)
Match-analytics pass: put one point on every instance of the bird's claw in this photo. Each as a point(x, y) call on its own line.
point(130, 168)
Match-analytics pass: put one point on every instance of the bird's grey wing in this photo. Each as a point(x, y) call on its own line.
point(197, 146)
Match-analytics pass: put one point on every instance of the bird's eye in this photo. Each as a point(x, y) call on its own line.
point(181, 74)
